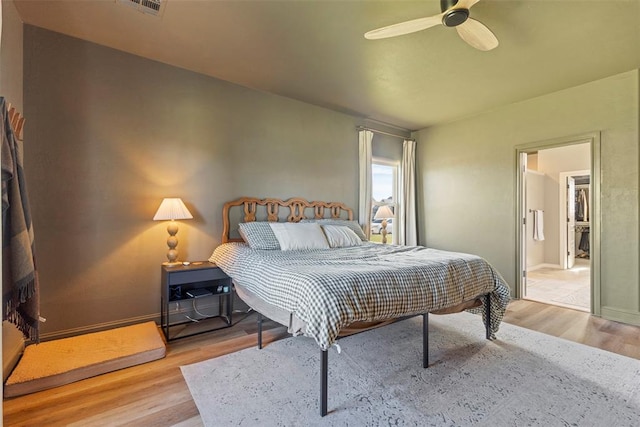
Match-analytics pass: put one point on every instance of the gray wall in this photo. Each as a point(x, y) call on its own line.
point(11, 56)
point(535, 183)
point(111, 134)
point(386, 147)
point(467, 180)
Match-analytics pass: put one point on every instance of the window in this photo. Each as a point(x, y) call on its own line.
point(388, 183)
point(384, 184)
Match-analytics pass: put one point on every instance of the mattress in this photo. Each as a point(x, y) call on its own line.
point(326, 290)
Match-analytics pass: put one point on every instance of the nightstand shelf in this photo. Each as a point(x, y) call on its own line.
point(188, 289)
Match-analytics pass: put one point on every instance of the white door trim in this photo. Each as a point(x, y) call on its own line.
point(593, 138)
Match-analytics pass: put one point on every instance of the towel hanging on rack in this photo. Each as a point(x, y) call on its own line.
point(538, 225)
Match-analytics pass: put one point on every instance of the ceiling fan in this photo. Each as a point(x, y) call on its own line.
point(455, 13)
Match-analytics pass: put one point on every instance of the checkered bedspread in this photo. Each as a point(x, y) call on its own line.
point(330, 289)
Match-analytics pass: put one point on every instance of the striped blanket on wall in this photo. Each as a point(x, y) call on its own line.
point(20, 293)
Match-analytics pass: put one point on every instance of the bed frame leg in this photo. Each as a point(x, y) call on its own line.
point(324, 365)
point(487, 315)
point(260, 331)
point(425, 340)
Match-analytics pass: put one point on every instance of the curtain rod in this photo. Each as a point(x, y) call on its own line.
point(384, 133)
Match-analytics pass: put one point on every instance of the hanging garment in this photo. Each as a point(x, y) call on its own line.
point(20, 293)
point(579, 207)
point(582, 205)
point(584, 242)
point(538, 224)
point(585, 204)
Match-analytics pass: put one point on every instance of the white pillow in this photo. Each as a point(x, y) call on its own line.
point(341, 236)
point(294, 236)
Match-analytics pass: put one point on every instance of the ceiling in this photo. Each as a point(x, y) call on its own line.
point(314, 51)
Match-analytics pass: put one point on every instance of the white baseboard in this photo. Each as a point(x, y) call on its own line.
point(621, 315)
point(182, 308)
point(539, 266)
point(99, 327)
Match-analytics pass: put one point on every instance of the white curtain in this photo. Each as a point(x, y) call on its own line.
point(364, 142)
point(407, 229)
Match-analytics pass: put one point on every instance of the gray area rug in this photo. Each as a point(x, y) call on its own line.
point(523, 378)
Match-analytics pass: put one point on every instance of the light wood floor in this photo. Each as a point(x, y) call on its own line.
point(155, 394)
point(569, 288)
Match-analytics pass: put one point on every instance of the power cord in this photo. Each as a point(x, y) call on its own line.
point(204, 316)
point(195, 309)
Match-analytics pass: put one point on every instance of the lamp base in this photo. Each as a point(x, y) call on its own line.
point(171, 264)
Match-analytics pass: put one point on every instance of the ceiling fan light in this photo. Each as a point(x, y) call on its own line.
point(455, 17)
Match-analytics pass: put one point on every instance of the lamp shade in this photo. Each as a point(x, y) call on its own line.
point(172, 208)
point(383, 212)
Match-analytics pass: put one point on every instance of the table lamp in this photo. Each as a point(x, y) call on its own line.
point(172, 209)
point(384, 213)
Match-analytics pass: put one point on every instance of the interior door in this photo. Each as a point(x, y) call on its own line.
point(523, 223)
point(571, 222)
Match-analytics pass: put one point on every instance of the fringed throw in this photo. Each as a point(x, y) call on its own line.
point(20, 293)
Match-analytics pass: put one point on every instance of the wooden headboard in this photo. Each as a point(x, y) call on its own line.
point(270, 210)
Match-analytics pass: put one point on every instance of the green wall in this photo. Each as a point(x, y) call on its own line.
point(110, 134)
point(467, 173)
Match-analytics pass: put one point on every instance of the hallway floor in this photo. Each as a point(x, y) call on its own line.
point(566, 288)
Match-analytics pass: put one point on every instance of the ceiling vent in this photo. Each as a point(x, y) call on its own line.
point(150, 7)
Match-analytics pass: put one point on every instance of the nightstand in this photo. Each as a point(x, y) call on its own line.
point(189, 288)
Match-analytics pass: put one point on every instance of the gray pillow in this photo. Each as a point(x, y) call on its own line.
point(341, 236)
point(258, 235)
point(353, 225)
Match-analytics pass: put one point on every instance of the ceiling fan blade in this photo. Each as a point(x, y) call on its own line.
point(465, 4)
point(404, 27)
point(477, 35)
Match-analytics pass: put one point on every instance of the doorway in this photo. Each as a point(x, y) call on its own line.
point(557, 217)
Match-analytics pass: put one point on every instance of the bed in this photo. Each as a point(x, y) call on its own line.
point(308, 266)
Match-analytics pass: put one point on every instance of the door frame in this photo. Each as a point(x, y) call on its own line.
point(592, 138)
